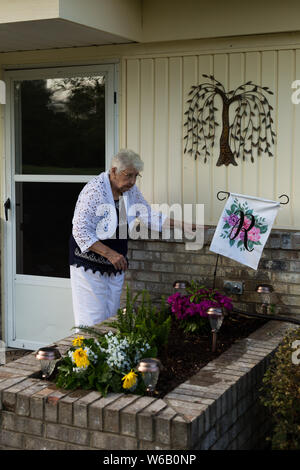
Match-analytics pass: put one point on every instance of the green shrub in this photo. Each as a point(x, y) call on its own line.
point(144, 320)
point(281, 394)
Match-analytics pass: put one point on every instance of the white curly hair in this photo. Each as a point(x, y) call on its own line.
point(126, 158)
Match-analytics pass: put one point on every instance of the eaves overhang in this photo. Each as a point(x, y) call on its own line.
point(35, 25)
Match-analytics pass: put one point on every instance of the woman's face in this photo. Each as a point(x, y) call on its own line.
point(124, 180)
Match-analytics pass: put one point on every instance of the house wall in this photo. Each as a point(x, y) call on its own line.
point(156, 94)
point(199, 19)
point(154, 83)
point(156, 89)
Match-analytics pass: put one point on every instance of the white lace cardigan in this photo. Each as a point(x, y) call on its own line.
point(95, 216)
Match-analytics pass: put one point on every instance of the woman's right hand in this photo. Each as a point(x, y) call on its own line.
point(118, 260)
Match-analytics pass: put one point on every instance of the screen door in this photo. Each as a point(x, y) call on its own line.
point(61, 131)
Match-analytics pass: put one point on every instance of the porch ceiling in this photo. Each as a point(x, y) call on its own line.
point(52, 33)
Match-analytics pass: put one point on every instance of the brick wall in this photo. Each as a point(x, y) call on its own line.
point(156, 264)
point(215, 409)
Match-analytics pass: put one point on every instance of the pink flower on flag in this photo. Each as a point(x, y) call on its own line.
point(254, 234)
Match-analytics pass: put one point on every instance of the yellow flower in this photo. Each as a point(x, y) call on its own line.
point(129, 379)
point(78, 341)
point(81, 358)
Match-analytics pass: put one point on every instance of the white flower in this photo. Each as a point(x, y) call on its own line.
point(70, 354)
point(118, 350)
point(79, 369)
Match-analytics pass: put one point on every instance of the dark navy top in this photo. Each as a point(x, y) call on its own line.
point(94, 261)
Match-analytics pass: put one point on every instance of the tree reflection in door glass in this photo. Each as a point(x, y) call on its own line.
point(60, 126)
point(44, 213)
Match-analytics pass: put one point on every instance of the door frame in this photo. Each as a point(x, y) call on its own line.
point(111, 71)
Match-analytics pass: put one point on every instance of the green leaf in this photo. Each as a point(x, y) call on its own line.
point(263, 229)
point(250, 244)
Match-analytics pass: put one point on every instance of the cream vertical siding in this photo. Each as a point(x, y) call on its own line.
point(156, 93)
point(154, 82)
point(171, 20)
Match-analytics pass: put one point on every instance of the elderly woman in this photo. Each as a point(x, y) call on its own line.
point(98, 254)
point(98, 244)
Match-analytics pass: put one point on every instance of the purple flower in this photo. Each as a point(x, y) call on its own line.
point(233, 219)
point(183, 307)
point(173, 297)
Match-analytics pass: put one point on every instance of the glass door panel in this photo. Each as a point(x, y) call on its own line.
point(44, 214)
point(60, 126)
point(60, 129)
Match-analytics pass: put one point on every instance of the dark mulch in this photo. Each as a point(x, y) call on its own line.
point(186, 354)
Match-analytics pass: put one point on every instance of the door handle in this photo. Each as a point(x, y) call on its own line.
point(7, 206)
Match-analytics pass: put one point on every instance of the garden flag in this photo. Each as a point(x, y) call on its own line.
point(244, 228)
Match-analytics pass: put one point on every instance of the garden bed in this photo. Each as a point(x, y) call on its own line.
point(217, 408)
point(187, 353)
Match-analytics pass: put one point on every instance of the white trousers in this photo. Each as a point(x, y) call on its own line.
point(95, 296)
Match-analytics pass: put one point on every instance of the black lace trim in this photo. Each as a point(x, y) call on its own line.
point(91, 256)
point(102, 269)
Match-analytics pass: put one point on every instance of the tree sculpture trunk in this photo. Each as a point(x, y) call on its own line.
point(226, 156)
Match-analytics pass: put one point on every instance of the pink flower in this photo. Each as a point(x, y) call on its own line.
point(254, 234)
point(246, 223)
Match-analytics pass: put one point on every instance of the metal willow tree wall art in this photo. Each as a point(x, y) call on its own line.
point(250, 133)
